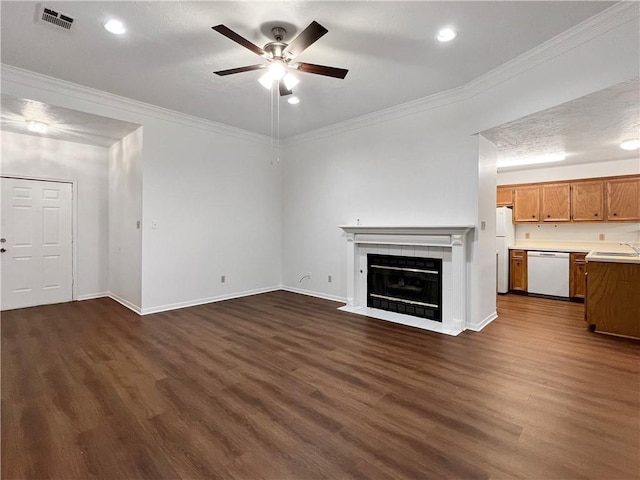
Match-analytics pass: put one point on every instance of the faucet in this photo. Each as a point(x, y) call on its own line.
point(635, 249)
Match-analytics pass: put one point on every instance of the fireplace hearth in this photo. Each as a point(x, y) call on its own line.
point(407, 285)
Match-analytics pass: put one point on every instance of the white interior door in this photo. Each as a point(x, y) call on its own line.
point(36, 232)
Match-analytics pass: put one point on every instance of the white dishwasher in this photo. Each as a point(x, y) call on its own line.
point(548, 273)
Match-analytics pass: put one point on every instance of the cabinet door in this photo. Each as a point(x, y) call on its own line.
point(587, 201)
point(526, 204)
point(556, 202)
point(623, 199)
point(518, 270)
point(504, 197)
point(577, 280)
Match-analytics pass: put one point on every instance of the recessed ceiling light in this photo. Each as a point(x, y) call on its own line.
point(447, 34)
point(517, 162)
point(115, 26)
point(630, 145)
point(37, 127)
point(293, 100)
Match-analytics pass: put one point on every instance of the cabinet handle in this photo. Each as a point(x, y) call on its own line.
point(615, 214)
point(548, 216)
point(533, 216)
point(595, 214)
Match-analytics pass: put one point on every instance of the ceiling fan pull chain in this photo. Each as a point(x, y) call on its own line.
point(278, 144)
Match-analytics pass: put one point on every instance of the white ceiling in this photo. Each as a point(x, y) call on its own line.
point(170, 51)
point(66, 124)
point(587, 129)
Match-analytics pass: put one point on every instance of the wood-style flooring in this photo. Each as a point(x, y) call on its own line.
point(281, 386)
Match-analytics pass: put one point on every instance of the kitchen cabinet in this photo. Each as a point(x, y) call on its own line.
point(577, 271)
point(504, 196)
point(526, 204)
point(612, 300)
point(623, 199)
point(518, 270)
point(604, 199)
point(587, 201)
point(556, 202)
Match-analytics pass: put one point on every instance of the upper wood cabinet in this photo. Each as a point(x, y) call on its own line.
point(587, 201)
point(504, 196)
point(526, 204)
point(623, 199)
point(556, 202)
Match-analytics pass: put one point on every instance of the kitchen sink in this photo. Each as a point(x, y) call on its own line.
point(615, 254)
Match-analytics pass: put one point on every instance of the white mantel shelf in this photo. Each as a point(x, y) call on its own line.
point(448, 242)
point(409, 229)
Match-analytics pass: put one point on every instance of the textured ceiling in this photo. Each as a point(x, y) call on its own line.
point(170, 51)
point(588, 129)
point(66, 124)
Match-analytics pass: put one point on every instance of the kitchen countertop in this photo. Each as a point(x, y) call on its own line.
point(594, 249)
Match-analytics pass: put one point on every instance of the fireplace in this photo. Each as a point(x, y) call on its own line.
point(407, 285)
point(444, 246)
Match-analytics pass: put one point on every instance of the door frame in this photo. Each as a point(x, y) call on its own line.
point(74, 221)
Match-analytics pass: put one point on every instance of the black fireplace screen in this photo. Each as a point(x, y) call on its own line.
point(409, 285)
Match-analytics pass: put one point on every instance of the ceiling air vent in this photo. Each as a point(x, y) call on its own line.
point(56, 18)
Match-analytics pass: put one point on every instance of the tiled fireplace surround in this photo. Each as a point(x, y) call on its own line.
point(449, 243)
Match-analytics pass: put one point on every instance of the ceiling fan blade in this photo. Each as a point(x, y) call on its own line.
point(307, 37)
point(321, 69)
point(231, 71)
point(230, 34)
point(283, 89)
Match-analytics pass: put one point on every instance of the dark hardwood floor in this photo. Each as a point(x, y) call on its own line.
point(282, 386)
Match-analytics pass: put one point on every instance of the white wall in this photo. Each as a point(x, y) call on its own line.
point(483, 275)
point(211, 188)
point(217, 203)
point(125, 211)
point(419, 164)
point(36, 157)
point(631, 166)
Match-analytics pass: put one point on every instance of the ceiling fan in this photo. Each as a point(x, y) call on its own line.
point(279, 56)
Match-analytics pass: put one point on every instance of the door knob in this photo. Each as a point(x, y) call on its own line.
point(2, 240)
point(2, 250)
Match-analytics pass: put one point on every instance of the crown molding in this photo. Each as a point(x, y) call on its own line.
point(27, 78)
point(615, 16)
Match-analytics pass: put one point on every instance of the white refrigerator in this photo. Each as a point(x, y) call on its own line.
point(505, 237)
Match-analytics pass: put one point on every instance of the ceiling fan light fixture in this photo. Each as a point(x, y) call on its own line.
point(37, 127)
point(277, 69)
point(266, 81)
point(630, 145)
point(446, 34)
point(290, 81)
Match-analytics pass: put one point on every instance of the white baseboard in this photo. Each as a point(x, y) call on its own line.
point(333, 298)
point(91, 296)
point(202, 301)
point(126, 303)
point(476, 327)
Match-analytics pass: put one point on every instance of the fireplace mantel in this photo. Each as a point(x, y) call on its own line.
point(448, 242)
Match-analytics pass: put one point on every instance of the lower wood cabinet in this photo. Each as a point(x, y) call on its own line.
point(612, 300)
point(518, 270)
point(577, 271)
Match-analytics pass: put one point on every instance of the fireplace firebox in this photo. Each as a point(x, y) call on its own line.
point(407, 285)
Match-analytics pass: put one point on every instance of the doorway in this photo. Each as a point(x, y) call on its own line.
point(36, 242)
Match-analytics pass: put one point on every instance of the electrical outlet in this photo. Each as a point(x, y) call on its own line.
point(154, 224)
point(483, 225)
point(601, 236)
point(223, 278)
point(329, 279)
point(527, 235)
